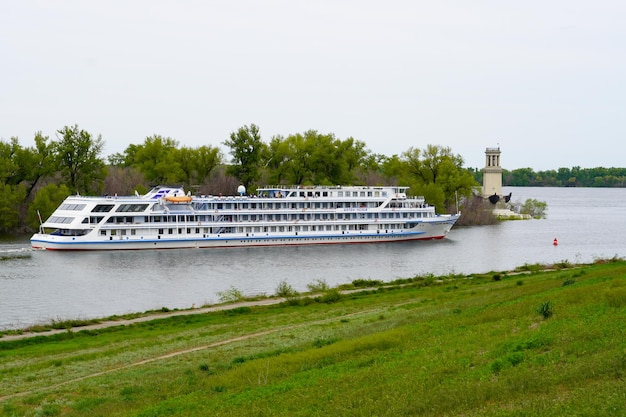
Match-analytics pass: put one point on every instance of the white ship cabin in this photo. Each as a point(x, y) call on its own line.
point(170, 212)
point(333, 192)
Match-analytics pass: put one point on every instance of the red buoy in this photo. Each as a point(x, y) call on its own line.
point(555, 242)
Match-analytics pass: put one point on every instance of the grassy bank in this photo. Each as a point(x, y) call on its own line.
point(539, 343)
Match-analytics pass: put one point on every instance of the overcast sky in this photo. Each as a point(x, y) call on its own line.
point(544, 80)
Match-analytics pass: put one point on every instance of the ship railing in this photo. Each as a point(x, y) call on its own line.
point(301, 187)
point(100, 197)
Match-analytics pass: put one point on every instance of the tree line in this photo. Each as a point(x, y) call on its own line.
point(562, 177)
point(35, 179)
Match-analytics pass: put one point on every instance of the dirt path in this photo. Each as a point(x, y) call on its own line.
point(150, 317)
point(158, 316)
point(184, 351)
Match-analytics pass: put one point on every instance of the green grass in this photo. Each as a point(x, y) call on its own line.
point(428, 346)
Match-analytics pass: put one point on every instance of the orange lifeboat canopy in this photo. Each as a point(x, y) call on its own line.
point(178, 199)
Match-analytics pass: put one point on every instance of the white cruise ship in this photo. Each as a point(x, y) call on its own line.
point(167, 218)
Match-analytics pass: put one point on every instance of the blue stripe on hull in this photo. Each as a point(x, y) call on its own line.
point(220, 242)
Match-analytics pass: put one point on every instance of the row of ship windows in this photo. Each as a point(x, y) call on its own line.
point(281, 206)
point(279, 194)
point(303, 205)
point(271, 229)
point(139, 208)
point(241, 218)
point(105, 208)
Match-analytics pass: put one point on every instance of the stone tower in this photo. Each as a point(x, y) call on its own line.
point(492, 175)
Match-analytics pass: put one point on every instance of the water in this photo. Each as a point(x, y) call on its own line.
point(40, 286)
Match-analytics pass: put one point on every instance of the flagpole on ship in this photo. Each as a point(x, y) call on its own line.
point(40, 223)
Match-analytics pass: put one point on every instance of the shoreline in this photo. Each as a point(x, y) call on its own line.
point(108, 322)
point(112, 321)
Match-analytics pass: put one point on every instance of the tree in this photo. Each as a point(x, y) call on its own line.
point(36, 163)
point(161, 161)
point(9, 168)
point(314, 158)
point(371, 169)
point(535, 208)
point(394, 170)
point(278, 156)
point(563, 176)
point(333, 161)
point(157, 159)
point(123, 180)
point(47, 199)
point(246, 148)
point(355, 154)
point(10, 203)
point(198, 163)
point(297, 160)
point(79, 158)
point(438, 175)
point(20, 170)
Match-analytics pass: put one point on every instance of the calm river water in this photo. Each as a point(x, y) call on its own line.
point(39, 286)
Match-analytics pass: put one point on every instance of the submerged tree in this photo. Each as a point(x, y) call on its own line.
point(535, 208)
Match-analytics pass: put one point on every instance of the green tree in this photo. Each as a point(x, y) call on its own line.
point(157, 159)
point(354, 152)
point(563, 176)
point(246, 148)
point(334, 161)
point(36, 163)
point(535, 208)
point(278, 158)
point(297, 162)
point(395, 170)
point(118, 159)
point(438, 174)
point(20, 170)
point(10, 203)
point(314, 158)
point(521, 177)
point(207, 159)
point(371, 169)
point(198, 163)
point(186, 162)
point(9, 168)
point(326, 163)
point(47, 199)
point(161, 160)
point(79, 159)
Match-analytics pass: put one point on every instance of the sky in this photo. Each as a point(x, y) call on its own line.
point(543, 80)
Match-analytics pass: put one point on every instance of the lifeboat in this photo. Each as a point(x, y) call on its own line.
point(178, 199)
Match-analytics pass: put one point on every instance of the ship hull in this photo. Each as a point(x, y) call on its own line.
point(51, 242)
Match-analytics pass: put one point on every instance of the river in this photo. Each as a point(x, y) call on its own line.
point(40, 286)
